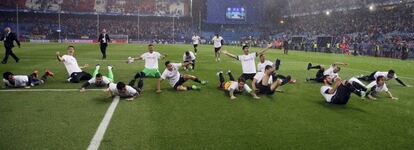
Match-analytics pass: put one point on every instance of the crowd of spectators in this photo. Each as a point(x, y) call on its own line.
point(310, 6)
point(142, 7)
point(86, 26)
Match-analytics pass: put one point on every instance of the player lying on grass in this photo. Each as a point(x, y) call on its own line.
point(373, 88)
point(74, 71)
point(248, 61)
point(177, 80)
point(332, 71)
point(340, 91)
point(98, 79)
point(189, 57)
point(263, 82)
point(233, 87)
point(125, 91)
point(387, 76)
point(17, 81)
point(263, 63)
point(151, 63)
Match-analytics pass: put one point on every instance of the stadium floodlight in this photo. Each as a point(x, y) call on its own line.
point(371, 7)
point(282, 21)
point(328, 12)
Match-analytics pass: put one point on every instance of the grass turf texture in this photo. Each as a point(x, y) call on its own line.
point(206, 119)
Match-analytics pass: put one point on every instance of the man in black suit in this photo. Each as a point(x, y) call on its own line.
point(103, 40)
point(8, 38)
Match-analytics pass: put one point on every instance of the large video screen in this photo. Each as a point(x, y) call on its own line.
point(236, 13)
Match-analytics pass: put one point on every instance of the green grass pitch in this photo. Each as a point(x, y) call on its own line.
point(206, 119)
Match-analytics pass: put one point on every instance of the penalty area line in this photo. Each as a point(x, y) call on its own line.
point(100, 132)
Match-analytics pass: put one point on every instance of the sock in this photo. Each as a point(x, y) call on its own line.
point(316, 67)
point(189, 88)
point(231, 76)
point(221, 78)
point(197, 80)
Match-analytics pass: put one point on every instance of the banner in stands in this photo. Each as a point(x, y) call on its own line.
point(77, 41)
point(40, 41)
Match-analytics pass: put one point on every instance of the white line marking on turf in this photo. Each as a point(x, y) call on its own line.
point(47, 90)
point(100, 132)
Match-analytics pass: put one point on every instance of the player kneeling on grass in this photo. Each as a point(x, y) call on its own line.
point(177, 80)
point(151, 63)
point(263, 82)
point(232, 87)
point(386, 75)
point(340, 92)
point(74, 71)
point(189, 57)
point(332, 71)
point(98, 80)
point(17, 81)
point(125, 91)
point(373, 88)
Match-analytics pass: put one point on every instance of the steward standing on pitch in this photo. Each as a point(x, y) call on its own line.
point(9, 38)
point(103, 41)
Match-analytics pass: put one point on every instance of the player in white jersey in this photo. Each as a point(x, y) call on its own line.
point(218, 43)
point(98, 79)
point(378, 86)
point(74, 71)
point(387, 75)
point(336, 91)
point(124, 91)
point(17, 81)
point(263, 82)
point(332, 71)
point(196, 40)
point(176, 79)
point(189, 57)
point(233, 87)
point(248, 61)
point(151, 59)
point(374, 87)
point(263, 63)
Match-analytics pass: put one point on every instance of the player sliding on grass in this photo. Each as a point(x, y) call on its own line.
point(125, 91)
point(74, 71)
point(373, 88)
point(340, 91)
point(232, 87)
point(248, 61)
point(177, 80)
point(189, 57)
point(151, 63)
point(263, 63)
point(263, 82)
point(98, 79)
point(387, 76)
point(17, 81)
point(332, 71)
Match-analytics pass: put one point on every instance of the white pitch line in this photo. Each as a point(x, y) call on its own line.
point(47, 90)
point(100, 132)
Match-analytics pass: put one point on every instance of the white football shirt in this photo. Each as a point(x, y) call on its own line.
point(151, 59)
point(248, 63)
point(217, 41)
point(173, 76)
point(261, 66)
point(71, 64)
